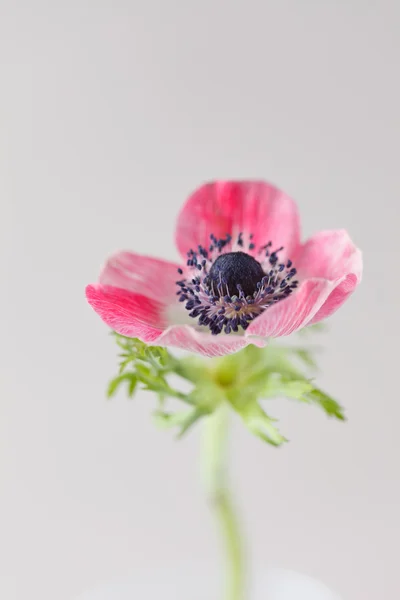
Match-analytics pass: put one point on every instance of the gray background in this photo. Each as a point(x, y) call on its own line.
point(110, 114)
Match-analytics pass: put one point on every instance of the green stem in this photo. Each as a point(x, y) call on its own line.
point(215, 474)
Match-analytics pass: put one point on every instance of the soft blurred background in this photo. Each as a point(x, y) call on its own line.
point(110, 114)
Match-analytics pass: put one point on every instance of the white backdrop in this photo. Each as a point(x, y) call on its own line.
point(110, 114)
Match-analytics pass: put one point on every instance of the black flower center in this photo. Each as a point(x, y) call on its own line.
point(235, 271)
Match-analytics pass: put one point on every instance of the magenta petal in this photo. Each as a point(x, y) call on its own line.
point(127, 313)
point(202, 342)
point(294, 312)
point(333, 256)
point(251, 207)
point(145, 275)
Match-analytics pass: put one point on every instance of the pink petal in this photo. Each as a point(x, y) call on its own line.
point(127, 313)
point(343, 289)
point(294, 312)
point(134, 315)
point(144, 275)
point(202, 342)
point(239, 206)
point(328, 254)
point(333, 256)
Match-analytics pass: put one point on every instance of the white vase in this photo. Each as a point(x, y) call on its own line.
point(273, 584)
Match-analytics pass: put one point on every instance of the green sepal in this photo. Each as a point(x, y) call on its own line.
point(182, 420)
point(241, 380)
point(327, 403)
point(261, 425)
point(114, 384)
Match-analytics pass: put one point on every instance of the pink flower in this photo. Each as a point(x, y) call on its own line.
point(245, 276)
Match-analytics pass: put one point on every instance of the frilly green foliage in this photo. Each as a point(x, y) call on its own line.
point(242, 380)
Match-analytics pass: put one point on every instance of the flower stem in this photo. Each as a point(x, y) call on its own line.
point(215, 475)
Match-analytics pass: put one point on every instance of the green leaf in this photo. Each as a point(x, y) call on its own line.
point(183, 420)
point(132, 386)
point(192, 418)
point(327, 403)
point(261, 425)
point(143, 372)
point(116, 382)
point(125, 363)
point(293, 388)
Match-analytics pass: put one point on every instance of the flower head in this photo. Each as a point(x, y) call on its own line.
point(245, 276)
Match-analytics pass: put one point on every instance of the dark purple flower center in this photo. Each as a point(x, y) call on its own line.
point(226, 288)
point(236, 271)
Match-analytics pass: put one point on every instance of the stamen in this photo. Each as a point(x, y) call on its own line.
point(226, 289)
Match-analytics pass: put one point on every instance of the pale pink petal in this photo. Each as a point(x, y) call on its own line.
point(343, 289)
point(294, 312)
point(145, 275)
point(202, 342)
point(328, 254)
point(333, 256)
point(127, 313)
point(251, 207)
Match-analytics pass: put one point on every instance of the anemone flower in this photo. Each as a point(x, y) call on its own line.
point(244, 277)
